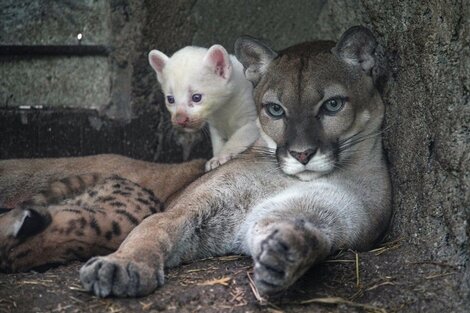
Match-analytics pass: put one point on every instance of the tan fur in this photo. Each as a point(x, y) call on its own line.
point(20, 179)
point(82, 215)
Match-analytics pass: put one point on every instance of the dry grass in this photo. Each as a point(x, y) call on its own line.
point(358, 277)
point(387, 246)
point(224, 281)
point(338, 300)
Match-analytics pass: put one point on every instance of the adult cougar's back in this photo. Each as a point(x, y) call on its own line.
point(314, 183)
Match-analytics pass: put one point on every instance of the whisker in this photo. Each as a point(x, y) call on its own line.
point(356, 139)
point(205, 133)
point(357, 136)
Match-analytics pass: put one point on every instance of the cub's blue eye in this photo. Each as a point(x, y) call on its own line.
point(275, 110)
point(333, 106)
point(170, 99)
point(196, 97)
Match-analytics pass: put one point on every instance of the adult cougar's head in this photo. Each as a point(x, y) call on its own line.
point(317, 102)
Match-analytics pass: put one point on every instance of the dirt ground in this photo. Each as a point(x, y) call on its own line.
point(382, 280)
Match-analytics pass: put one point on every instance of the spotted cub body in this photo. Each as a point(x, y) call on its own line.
point(62, 209)
point(76, 218)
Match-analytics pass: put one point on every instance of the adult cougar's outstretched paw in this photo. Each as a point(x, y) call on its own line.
point(284, 254)
point(111, 276)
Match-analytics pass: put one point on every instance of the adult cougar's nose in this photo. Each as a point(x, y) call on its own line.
point(304, 156)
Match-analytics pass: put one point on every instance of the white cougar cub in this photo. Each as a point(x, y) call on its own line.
point(208, 86)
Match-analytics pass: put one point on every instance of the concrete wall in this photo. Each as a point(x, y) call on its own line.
point(61, 81)
point(98, 82)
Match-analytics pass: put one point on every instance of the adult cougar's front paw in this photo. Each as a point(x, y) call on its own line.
point(283, 256)
point(111, 276)
point(218, 160)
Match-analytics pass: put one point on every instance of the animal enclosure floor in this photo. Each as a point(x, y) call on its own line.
point(378, 281)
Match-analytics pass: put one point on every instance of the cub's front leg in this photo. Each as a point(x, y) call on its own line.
point(236, 144)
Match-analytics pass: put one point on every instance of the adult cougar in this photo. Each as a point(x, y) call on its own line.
point(314, 183)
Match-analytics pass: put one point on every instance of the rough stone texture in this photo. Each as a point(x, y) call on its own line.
point(59, 81)
point(32, 22)
point(127, 21)
point(101, 83)
point(279, 22)
point(55, 81)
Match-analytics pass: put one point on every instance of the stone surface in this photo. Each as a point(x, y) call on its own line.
point(102, 83)
point(32, 22)
point(280, 22)
point(80, 82)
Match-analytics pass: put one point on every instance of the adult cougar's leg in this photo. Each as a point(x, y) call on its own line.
point(161, 240)
point(296, 232)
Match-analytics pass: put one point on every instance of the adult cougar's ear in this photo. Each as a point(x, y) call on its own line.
point(358, 47)
point(255, 57)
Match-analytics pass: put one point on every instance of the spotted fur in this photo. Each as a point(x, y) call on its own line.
point(79, 216)
point(63, 224)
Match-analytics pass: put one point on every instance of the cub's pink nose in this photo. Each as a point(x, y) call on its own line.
point(182, 120)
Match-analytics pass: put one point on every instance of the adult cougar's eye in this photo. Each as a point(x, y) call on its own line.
point(170, 99)
point(196, 97)
point(274, 110)
point(333, 106)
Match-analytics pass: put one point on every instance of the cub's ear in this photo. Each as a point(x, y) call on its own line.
point(158, 60)
point(218, 60)
point(255, 57)
point(28, 223)
point(358, 47)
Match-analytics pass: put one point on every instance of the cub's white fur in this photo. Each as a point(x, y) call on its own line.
point(208, 86)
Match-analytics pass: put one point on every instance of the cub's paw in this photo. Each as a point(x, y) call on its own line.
point(284, 255)
point(217, 161)
point(110, 276)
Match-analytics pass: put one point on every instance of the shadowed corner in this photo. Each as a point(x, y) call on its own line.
point(5, 210)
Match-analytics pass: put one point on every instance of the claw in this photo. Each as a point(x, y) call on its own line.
point(108, 276)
